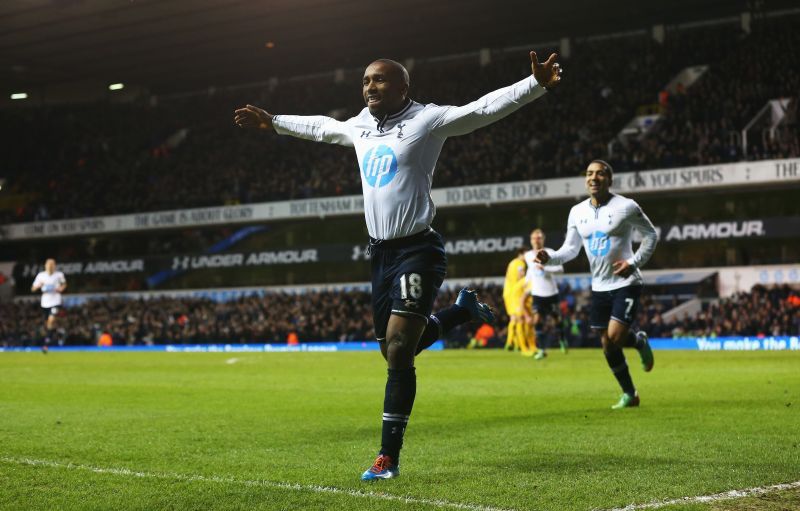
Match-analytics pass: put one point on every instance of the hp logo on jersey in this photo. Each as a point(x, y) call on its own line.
point(379, 166)
point(599, 244)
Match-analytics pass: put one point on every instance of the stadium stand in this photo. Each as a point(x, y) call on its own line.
point(702, 124)
point(184, 152)
point(345, 316)
point(312, 316)
point(761, 312)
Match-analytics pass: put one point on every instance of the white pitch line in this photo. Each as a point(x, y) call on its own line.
point(727, 495)
point(262, 483)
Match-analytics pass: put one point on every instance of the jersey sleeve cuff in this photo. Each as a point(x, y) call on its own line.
point(276, 125)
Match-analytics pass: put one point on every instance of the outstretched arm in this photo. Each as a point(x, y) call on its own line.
point(568, 251)
point(317, 128)
point(453, 121)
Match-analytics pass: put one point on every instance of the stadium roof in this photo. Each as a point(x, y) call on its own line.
point(174, 45)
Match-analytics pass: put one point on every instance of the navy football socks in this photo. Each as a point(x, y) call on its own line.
point(401, 388)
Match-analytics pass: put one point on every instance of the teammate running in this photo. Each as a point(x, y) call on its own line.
point(605, 222)
point(52, 283)
point(397, 143)
point(544, 290)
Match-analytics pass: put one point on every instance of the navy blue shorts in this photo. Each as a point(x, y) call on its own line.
point(406, 275)
point(619, 304)
point(547, 305)
point(51, 311)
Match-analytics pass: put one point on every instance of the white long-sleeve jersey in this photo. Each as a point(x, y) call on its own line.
point(606, 231)
point(397, 154)
point(541, 279)
point(50, 283)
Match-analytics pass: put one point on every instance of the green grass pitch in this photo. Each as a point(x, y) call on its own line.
point(490, 430)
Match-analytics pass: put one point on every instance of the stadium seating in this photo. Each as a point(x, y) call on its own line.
point(702, 125)
point(73, 161)
point(761, 312)
point(343, 316)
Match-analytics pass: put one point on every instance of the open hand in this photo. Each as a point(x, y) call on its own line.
point(253, 117)
point(548, 73)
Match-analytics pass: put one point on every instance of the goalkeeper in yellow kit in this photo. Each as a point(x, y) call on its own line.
point(520, 333)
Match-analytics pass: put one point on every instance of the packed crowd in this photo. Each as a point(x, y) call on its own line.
point(310, 316)
point(702, 125)
point(758, 313)
point(345, 316)
point(185, 152)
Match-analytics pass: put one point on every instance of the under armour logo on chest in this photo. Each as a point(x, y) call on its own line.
point(400, 133)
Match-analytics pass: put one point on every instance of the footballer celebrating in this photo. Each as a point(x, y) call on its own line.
point(604, 223)
point(51, 283)
point(397, 142)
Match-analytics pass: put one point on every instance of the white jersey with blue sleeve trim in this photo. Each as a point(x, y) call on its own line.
point(397, 154)
point(605, 232)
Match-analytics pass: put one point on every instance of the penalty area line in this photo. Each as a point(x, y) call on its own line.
point(310, 488)
point(702, 499)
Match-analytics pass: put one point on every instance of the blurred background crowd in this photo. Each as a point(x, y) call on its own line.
point(346, 316)
point(183, 152)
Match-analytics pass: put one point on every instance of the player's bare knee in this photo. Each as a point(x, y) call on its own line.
point(617, 333)
point(614, 339)
point(399, 351)
point(397, 341)
point(606, 341)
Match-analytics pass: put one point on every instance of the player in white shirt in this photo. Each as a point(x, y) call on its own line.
point(397, 143)
point(603, 224)
point(544, 291)
point(51, 283)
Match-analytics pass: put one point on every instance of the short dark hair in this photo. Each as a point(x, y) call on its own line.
point(607, 166)
point(400, 67)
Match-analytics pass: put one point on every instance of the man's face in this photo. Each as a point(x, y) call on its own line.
point(598, 180)
point(50, 265)
point(384, 88)
point(537, 240)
